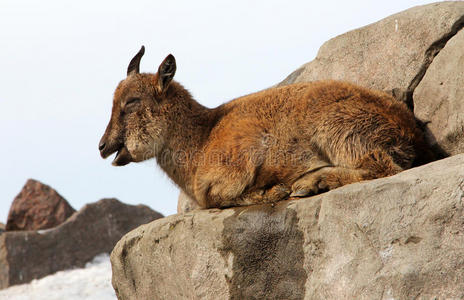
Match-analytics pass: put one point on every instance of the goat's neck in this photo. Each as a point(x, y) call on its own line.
point(189, 127)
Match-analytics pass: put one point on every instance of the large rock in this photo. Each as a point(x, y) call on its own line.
point(439, 98)
point(37, 206)
point(399, 237)
point(392, 54)
point(27, 255)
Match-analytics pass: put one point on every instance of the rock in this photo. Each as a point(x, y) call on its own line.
point(439, 98)
point(37, 206)
point(2, 227)
point(185, 203)
point(95, 229)
point(398, 237)
point(392, 54)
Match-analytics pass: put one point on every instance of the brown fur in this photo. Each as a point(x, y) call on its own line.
point(294, 140)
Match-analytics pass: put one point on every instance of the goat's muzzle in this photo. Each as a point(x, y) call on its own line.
point(106, 148)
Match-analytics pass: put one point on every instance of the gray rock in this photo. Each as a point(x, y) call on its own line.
point(185, 203)
point(95, 229)
point(392, 54)
point(399, 237)
point(439, 98)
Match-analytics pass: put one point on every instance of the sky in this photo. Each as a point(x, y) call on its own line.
point(60, 62)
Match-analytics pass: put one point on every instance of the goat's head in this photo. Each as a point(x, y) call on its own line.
point(137, 123)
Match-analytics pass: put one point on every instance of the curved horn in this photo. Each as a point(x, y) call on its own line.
point(134, 65)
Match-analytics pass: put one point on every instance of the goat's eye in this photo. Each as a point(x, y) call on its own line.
point(131, 103)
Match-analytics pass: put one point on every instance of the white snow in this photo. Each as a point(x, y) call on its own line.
point(92, 283)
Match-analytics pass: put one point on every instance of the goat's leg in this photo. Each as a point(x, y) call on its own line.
point(231, 189)
point(273, 194)
point(221, 194)
point(324, 179)
point(375, 164)
point(221, 186)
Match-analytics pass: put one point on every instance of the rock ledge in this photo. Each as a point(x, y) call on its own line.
point(401, 237)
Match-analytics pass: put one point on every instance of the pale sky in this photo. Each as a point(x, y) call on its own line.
point(60, 62)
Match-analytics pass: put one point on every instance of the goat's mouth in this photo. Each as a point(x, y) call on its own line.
point(122, 158)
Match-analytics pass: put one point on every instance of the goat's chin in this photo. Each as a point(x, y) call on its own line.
point(139, 156)
point(123, 157)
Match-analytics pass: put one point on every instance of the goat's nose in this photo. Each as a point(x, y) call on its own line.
point(101, 146)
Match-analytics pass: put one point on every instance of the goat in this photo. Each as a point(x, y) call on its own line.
point(279, 143)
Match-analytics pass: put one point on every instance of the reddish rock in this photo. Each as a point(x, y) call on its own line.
point(37, 206)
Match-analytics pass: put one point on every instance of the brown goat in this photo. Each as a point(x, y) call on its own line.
point(290, 141)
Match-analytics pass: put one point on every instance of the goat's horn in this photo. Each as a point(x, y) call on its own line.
point(134, 65)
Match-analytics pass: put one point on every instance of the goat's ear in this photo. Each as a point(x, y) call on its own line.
point(134, 65)
point(166, 72)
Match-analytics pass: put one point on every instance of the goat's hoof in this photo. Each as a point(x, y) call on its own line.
point(300, 193)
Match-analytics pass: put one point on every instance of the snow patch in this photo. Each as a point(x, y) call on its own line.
point(92, 283)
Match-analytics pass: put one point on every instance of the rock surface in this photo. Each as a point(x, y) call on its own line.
point(392, 54)
point(399, 237)
point(185, 203)
point(37, 206)
point(95, 229)
point(439, 98)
